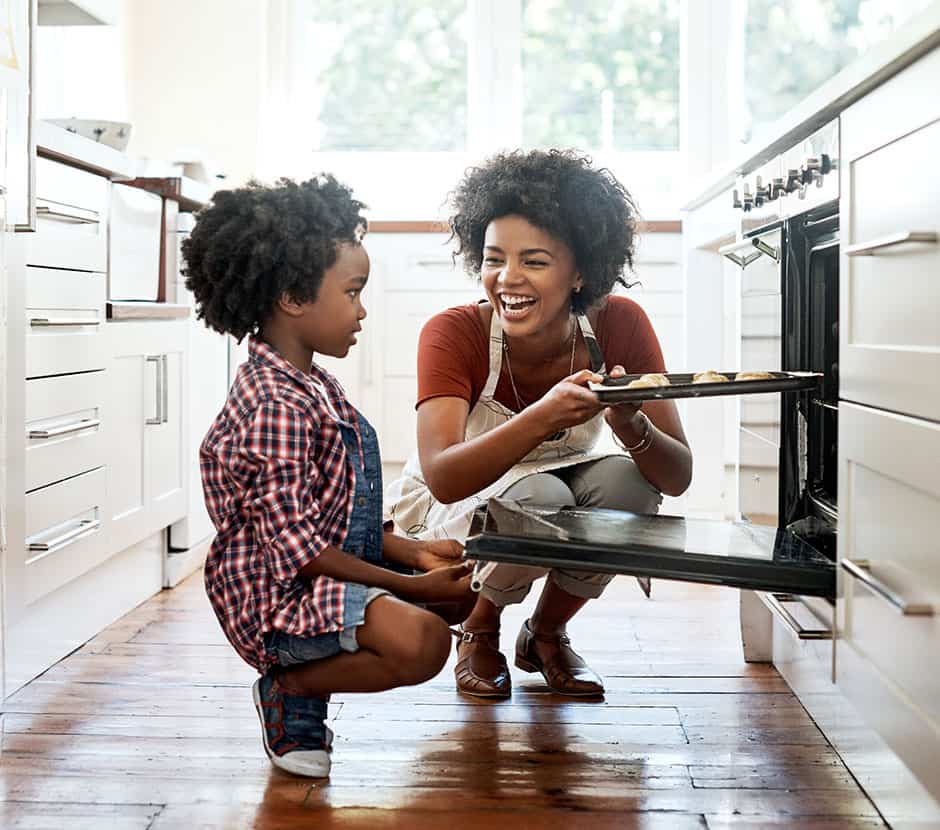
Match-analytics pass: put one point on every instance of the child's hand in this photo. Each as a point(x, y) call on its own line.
point(447, 584)
point(438, 553)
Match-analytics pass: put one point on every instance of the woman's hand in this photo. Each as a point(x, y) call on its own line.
point(621, 417)
point(569, 402)
point(448, 584)
point(437, 553)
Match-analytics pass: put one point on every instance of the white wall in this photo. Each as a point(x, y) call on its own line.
point(196, 75)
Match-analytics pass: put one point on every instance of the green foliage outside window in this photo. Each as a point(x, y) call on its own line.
point(397, 77)
point(573, 52)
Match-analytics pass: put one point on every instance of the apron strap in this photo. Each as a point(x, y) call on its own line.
point(496, 352)
point(496, 356)
point(594, 350)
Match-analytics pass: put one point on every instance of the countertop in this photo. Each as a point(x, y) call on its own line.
point(913, 40)
point(59, 144)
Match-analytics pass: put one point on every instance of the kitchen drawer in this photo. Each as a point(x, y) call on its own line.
point(65, 315)
point(64, 435)
point(64, 536)
point(71, 221)
point(804, 646)
point(890, 291)
point(889, 526)
point(903, 726)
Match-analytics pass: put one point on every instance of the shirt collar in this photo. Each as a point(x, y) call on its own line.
point(316, 382)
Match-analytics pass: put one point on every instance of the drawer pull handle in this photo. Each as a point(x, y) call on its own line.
point(861, 571)
point(84, 528)
point(65, 429)
point(775, 603)
point(902, 238)
point(58, 212)
point(53, 322)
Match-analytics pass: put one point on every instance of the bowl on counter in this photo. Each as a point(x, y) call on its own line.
point(114, 134)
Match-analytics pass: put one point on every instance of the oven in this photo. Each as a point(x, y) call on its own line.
point(784, 542)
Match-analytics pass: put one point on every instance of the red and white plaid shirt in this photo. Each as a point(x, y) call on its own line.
point(279, 490)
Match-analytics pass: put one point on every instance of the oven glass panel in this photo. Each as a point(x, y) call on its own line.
point(738, 554)
point(823, 356)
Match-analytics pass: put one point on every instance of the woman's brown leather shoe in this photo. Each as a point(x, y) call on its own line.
point(481, 669)
point(565, 673)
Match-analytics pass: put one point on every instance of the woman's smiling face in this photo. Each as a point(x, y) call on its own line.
point(528, 275)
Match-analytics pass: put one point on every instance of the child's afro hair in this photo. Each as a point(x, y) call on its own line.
point(253, 244)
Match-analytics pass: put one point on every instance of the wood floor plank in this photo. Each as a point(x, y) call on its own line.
point(44, 816)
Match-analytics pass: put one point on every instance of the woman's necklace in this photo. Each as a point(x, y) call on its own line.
point(512, 381)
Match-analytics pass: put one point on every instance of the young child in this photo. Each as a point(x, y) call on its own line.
point(301, 574)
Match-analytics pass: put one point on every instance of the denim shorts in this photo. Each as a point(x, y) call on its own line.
point(289, 649)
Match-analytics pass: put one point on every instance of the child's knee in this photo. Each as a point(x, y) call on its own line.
point(425, 648)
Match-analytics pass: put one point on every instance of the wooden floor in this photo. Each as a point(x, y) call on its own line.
point(151, 725)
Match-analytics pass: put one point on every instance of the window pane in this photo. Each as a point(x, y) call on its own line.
point(389, 76)
point(791, 47)
point(601, 75)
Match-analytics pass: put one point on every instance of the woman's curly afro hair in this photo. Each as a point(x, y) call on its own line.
point(560, 192)
point(256, 243)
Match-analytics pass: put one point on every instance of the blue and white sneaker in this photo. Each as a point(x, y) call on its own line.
point(295, 736)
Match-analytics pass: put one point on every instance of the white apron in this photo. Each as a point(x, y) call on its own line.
point(408, 501)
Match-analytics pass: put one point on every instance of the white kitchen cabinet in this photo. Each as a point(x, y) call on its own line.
point(145, 434)
point(890, 291)
point(889, 602)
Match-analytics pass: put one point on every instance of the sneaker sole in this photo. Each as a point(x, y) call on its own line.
point(309, 764)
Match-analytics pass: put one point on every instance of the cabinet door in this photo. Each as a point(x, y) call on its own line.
point(890, 294)
point(131, 381)
point(163, 442)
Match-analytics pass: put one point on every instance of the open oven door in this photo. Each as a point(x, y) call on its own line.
point(735, 554)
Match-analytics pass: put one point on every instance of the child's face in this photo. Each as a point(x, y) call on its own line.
point(331, 321)
point(528, 275)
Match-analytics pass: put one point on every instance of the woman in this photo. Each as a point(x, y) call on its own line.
point(503, 404)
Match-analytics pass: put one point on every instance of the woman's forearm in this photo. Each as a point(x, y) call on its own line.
point(467, 467)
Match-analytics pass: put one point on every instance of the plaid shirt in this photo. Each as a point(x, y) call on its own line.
point(279, 491)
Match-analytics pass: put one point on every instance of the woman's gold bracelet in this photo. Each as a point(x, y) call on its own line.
point(643, 444)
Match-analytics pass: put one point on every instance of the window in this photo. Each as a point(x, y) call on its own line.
point(388, 76)
point(792, 47)
point(398, 98)
point(600, 75)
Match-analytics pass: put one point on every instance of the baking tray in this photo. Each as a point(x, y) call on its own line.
point(614, 390)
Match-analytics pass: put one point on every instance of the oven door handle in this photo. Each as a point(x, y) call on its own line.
point(744, 253)
point(861, 570)
point(902, 238)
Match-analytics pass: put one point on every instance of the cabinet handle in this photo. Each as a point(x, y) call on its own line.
point(902, 238)
point(775, 603)
point(62, 212)
point(861, 570)
point(165, 398)
point(65, 429)
point(70, 537)
point(55, 322)
point(158, 390)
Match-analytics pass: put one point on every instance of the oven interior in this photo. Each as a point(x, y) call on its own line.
point(810, 419)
